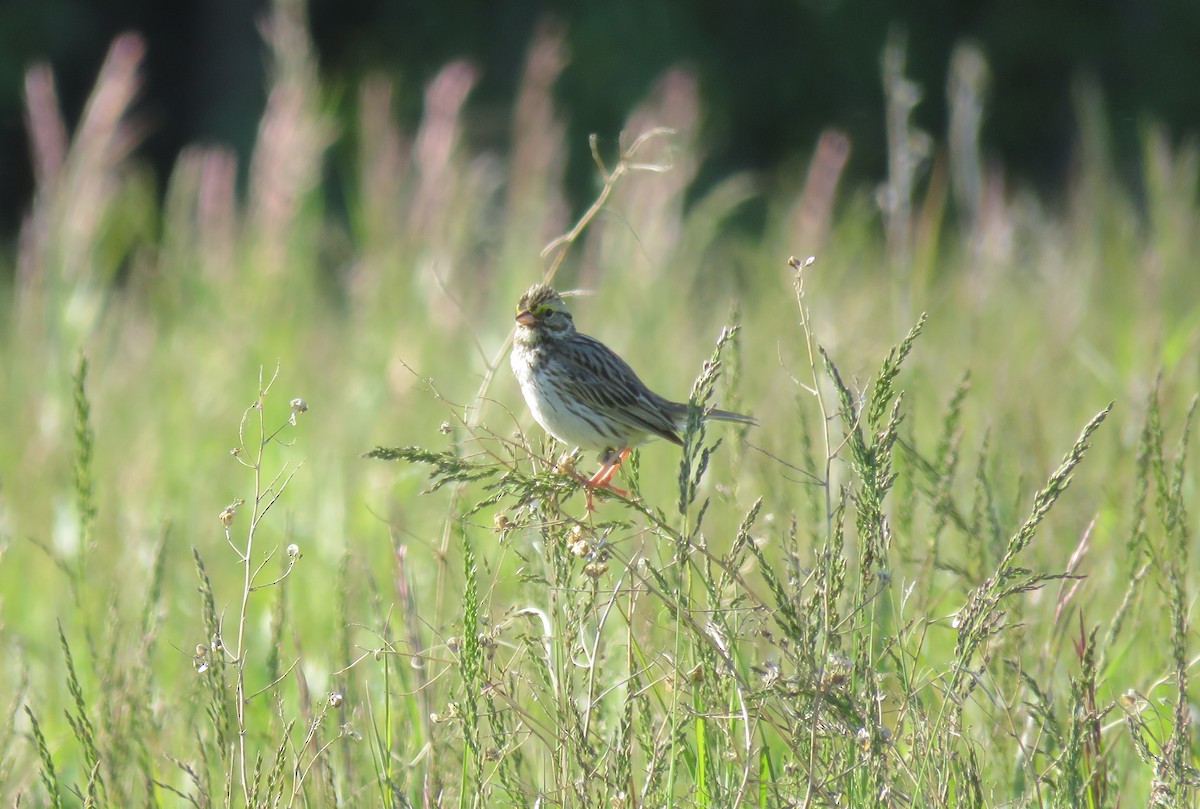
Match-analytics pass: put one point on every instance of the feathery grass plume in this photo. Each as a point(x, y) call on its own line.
point(940, 477)
point(908, 149)
point(1057, 483)
point(256, 781)
point(937, 474)
point(293, 134)
point(873, 460)
point(279, 769)
point(198, 800)
point(209, 663)
point(533, 197)
point(883, 393)
point(81, 725)
point(382, 171)
point(812, 213)
point(1094, 772)
point(447, 466)
point(200, 220)
point(437, 150)
point(820, 639)
point(732, 386)
point(966, 90)
point(984, 537)
point(69, 255)
point(624, 736)
point(947, 455)
point(1179, 778)
point(82, 473)
point(132, 726)
point(505, 751)
point(1171, 177)
point(1073, 788)
point(695, 455)
point(785, 610)
point(44, 126)
point(152, 609)
point(470, 666)
point(724, 580)
point(980, 618)
point(48, 773)
point(1138, 548)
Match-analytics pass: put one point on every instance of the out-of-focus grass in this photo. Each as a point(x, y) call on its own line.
point(638, 655)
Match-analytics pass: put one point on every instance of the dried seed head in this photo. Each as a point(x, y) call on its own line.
point(227, 514)
point(299, 406)
point(1131, 700)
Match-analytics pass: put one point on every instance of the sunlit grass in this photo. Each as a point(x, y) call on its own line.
point(940, 572)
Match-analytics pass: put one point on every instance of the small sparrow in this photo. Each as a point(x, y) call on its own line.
point(583, 394)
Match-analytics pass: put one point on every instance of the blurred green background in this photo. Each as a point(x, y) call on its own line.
point(771, 73)
point(357, 196)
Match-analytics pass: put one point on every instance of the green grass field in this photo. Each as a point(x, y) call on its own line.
point(941, 572)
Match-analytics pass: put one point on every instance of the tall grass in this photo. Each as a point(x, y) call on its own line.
point(951, 567)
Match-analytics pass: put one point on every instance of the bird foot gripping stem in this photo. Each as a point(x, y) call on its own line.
point(601, 479)
point(603, 476)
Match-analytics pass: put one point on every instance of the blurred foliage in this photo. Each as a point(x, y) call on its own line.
point(183, 557)
point(771, 73)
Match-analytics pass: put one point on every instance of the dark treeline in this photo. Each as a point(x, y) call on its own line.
point(772, 73)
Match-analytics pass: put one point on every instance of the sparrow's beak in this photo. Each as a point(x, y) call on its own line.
point(526, 318)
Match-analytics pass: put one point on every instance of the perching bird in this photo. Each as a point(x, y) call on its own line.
point(583, 394)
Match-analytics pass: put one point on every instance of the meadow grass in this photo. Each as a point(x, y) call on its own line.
point(277, 530)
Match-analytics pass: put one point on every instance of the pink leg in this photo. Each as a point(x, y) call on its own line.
point(603, 476)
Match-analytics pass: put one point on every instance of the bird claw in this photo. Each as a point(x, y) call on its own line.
point(600, 480)
point(590, 489)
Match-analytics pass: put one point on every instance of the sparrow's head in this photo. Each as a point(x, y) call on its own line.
point(543, 315)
